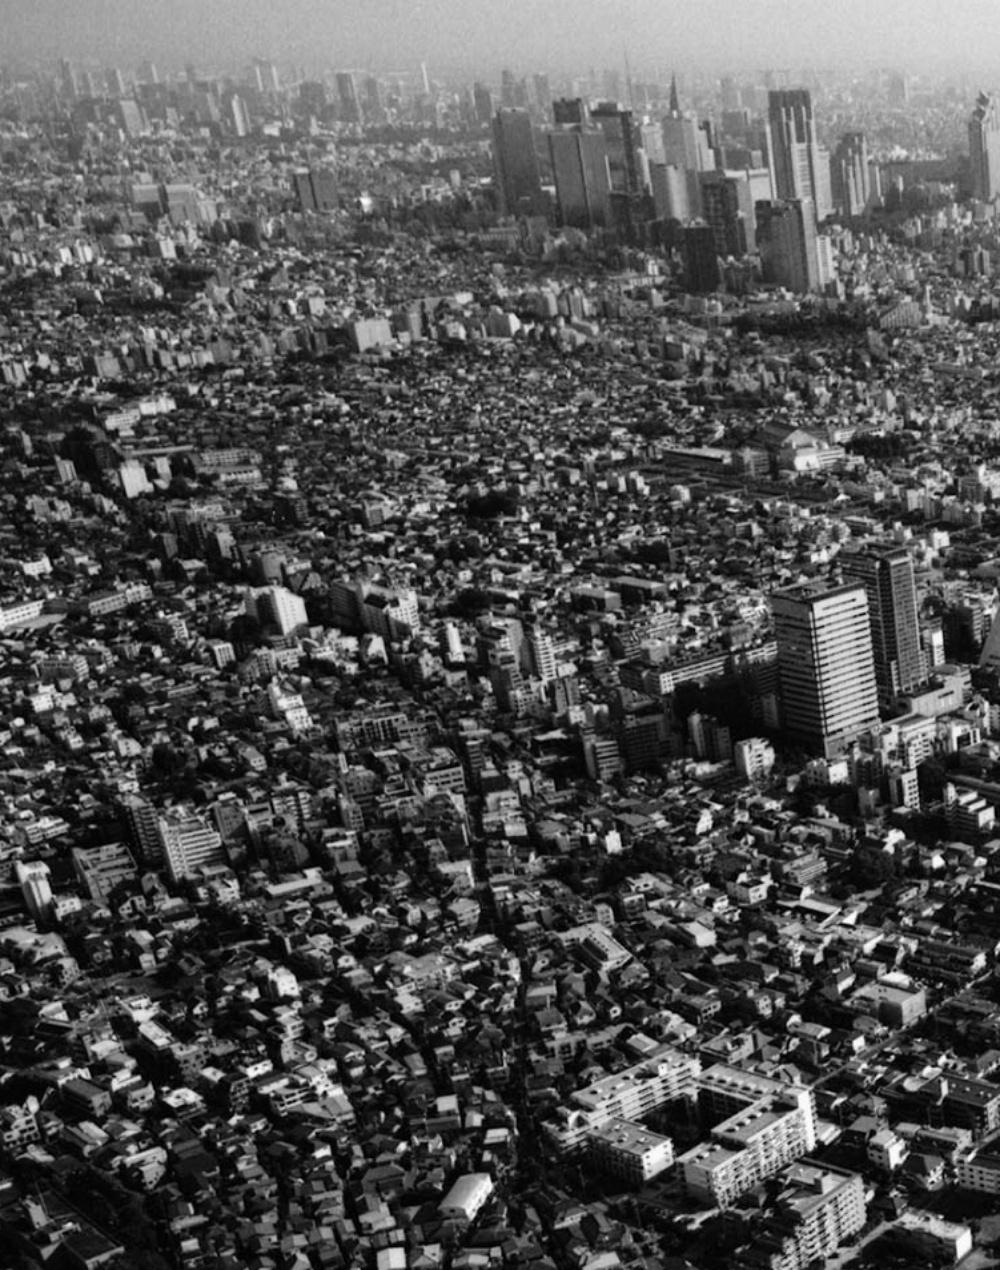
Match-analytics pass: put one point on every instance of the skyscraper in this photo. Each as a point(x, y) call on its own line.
point(727, 206)
point(701, 260)
point(887, 575)
point(580, 167)
point(515, 164)
point(984, 148)
point(849, 178)
point(797, 161)
point(347, 92)
point(786, 240)
point(623, 158)
point(826, 668)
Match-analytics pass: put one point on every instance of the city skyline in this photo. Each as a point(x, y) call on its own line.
point(383, 34)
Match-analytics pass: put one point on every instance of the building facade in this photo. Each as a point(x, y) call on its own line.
point(826, 668)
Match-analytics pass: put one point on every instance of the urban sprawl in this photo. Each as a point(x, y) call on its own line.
point(499, 671)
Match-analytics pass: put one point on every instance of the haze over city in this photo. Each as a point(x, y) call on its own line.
point(499, 635)
point(923, 34)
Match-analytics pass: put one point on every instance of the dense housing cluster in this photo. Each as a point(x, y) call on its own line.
point(501, 747)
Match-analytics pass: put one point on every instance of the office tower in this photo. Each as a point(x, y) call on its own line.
point(984, 148)
point(623, 161)
point(373, 97)
point(238, 118)
point(148, 73)
point(188, 844)
point(315, 189)
point(570, 110)
point(887, 576)
point(483, 102)
point(67, 79)
point(312, 97)
point(796, 159)
point(347, 94)
point(701, 260)
point(787, 242)
point(115, 82)
point(266, 77)
point(541, 90)
point(849, 185)
point(33, 879)
point(731, 99)
point(513, 91)
point(671, 192)
point(684, 143)
point(826, 668)
point(579, 159)
point(516, 173)
point(727, 206)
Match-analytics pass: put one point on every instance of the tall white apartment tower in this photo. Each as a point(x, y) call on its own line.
point(826, 666)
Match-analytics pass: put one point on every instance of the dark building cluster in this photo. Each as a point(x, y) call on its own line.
point(499, 673)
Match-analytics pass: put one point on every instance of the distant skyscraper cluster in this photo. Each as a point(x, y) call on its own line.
point(750, 185)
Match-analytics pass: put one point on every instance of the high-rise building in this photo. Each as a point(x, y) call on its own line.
point(787, 242)
point(347, 93)
point(826, 668)
point(570, 110)
point(623, 160)
point(727, 206)
point(515, 164)
point(849, 175)
point(266, 78)
point(701, 259)
point(797, 161)
point(115, 81)
point(316, 189)
point(482, 100)
point(887, 575)
point(580, 167)
point(144, 829)
point(984, 147)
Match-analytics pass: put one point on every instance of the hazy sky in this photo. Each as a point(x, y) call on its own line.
point(526, 34)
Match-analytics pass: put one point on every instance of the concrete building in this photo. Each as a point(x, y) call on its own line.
point(817, 1207)
point(628, 1095)
point(826, 667)
point(630, 1151)
point(984, 147)
point(517, 175)
point(580, 167)
point(887, 575)
point(800, 168)
point(278, 607)
point(850, 175)
point(188, 844)
point(33, 879)
point(467, 1196)
point(773, 1124)
point(788, 245)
